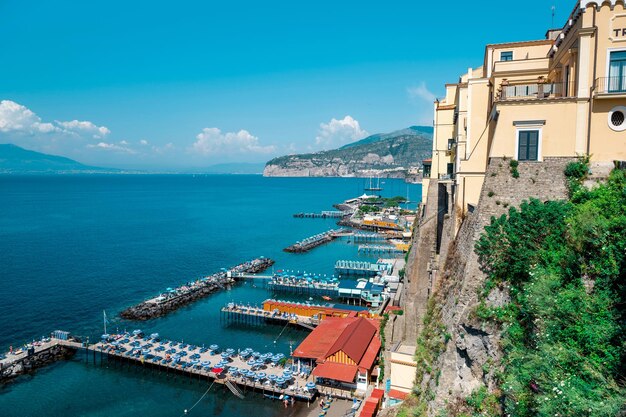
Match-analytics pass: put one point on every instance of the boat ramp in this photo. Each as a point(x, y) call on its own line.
point(174, 298)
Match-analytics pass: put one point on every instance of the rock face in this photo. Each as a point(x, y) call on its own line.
point(471, 353)
point(387, 156)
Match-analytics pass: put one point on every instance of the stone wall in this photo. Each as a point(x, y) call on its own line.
point(460, 368)
point(417, 270)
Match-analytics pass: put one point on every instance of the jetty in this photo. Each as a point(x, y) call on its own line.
point(368, 237)
point(312, 242)
point(239, 370)
point(360, 268)
point(174, 298)
point(379, 249)
point(323, 215)
point(59, 346)
point(303, 286)
point(240, 313)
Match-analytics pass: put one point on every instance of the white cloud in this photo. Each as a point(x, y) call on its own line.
point(143, 142)
point(111, 147)
point(422, 92)
point(212, 141)
point(84, 127)
point(339, 132)
point(18, 119)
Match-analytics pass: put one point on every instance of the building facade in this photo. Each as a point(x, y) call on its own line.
point(562, 96)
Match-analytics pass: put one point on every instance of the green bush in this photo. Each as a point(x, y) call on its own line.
point(563, 332)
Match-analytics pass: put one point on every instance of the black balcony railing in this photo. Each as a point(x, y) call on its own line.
point(536, 91)
point(611, 85)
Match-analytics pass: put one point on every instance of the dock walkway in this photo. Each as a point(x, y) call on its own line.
point(256, 315)
point(245, 368)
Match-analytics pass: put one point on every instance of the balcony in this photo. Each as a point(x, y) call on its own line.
point(611, 86)
point(534, 91)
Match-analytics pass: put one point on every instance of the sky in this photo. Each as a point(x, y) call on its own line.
point(186, 84)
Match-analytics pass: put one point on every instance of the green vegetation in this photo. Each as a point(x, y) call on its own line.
point(366, 209)
point(563, 332)
point(513, 164)
point(394, 201)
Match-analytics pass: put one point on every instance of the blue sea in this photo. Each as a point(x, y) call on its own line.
point(73, 246)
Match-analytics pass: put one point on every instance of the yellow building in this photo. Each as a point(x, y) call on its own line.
point(561, 96)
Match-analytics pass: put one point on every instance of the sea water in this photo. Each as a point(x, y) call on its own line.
point(74, 246)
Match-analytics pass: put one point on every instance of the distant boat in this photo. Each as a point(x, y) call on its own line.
point(327, 298)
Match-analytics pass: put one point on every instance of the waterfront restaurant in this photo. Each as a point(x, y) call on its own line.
point(534, 101)
point(344, 352)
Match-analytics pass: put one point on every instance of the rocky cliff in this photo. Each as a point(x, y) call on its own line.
point(456, 353)
point(386, 155)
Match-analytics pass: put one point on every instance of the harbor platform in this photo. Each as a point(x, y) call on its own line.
point(237, 369)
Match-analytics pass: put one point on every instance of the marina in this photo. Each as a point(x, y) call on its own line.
point(174, 298)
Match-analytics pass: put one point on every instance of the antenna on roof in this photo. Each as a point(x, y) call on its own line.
point(553, 10)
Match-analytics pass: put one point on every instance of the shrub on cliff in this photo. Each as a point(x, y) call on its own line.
point(564, 330)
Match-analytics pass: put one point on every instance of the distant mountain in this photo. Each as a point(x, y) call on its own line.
point(385, 155)
point(14, 159)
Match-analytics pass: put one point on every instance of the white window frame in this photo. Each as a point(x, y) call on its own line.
point(527, 128)
point(608, 58)
point(610, 114)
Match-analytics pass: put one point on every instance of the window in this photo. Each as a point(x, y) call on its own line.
point(450, 168)
point(616, 119)
point(528, 145)
point(506, 56)
point(617, 72)
point(427, 170)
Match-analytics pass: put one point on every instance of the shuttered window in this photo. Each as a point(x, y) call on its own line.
point(528, 145)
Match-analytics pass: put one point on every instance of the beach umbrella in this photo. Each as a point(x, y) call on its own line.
point(261, 375)
point(280, 380)
point(206, 363)
point(214, 347)
point(251, 363)
point(310, 385)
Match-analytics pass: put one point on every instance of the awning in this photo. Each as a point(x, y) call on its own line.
point(336, 371)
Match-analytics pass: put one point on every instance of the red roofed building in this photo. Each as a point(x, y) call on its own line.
point(343, 350)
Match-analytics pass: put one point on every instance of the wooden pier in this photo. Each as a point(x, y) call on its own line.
point(303, 288)
point(359, 268)
point(223, 366)
point(239, 313)
point(379, 249)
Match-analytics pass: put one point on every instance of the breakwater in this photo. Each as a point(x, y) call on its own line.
point(35, 356)
point(174, 298)
point(312, 242)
